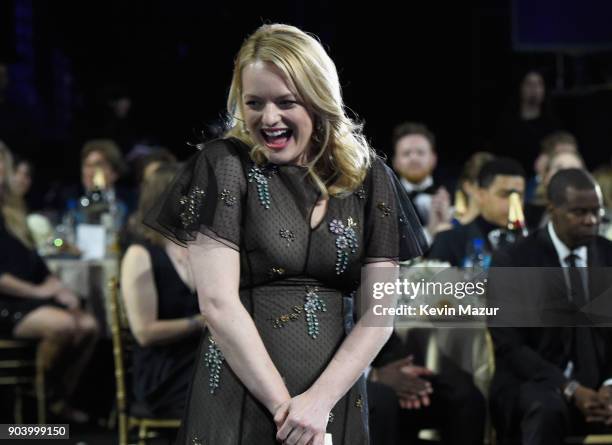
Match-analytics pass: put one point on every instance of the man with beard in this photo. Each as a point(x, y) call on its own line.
point(555, 381)
point(414, 160)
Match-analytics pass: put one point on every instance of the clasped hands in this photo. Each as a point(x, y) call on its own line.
point(596, 406)
point(405, 378)
point(302, 420)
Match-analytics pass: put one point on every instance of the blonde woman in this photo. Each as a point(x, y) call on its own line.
point(35, 304)
point(280, 217)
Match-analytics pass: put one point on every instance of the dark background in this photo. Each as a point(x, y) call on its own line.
point(452, 65)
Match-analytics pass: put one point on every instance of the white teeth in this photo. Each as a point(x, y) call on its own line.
point(275, 133)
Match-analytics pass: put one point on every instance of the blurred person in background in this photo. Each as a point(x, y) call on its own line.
point(466, 201)
point(22, 177)
point(144, 168)
point(414, 161)
point(527, 119)
point(554, 380)
point(101, 161)
point(552, 145)
point(34, 304)
point(406, 397)
point(535, 211)
point(159, 295)
point(603, 176)
point(497, 180)
point(148, 164)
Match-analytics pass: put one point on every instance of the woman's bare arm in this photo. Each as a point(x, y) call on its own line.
point(364, 342)
point(16, 287)
point(306, 415)
point(216, 269)
point(140, 299)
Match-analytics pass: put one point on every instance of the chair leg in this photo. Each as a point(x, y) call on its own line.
point(41, 399)
point(123, 429)
point(142, 434)
point(18, 406)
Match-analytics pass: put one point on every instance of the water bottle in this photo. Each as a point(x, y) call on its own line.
point(478, 258)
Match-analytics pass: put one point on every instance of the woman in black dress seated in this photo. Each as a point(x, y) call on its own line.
point(34, 304)
point(162, 310)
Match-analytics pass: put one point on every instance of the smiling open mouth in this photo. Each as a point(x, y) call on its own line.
point(276, 137)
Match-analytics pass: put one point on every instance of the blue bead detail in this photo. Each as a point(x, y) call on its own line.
point(213, 359)
point(260, 176)
point(314, 303)
point(346, 242)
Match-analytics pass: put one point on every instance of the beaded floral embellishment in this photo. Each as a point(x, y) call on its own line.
point(260, 176)
point(359, 402)
point(384, 209)
point(361, 193)
point(287, 235)
point(195, 440)
point(213, 359)
point(346, 242)
point(281, 322)
point(313, 305)
point(276, 272)
point(331, 417)
point(191, 205)
point(228, 198)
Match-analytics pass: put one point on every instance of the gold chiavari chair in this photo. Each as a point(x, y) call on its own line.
point(130, 415)
point(21, 367)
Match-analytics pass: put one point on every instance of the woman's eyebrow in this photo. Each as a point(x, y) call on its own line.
point(282, 96)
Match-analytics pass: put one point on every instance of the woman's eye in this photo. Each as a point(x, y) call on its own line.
point(253, 104)
point(287, 103)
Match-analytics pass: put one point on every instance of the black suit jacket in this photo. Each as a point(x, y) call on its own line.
point(541, 354)
point(452, 245)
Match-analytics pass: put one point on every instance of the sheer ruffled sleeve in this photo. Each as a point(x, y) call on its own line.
point(392, 227)
point(206, 196)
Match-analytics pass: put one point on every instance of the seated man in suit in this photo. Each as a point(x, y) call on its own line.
point(497, 179)
point(554, 381)
point(405, 398)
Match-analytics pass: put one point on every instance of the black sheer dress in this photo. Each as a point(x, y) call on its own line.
point(293, 278)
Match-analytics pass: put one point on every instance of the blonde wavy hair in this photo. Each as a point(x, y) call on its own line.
point(341, 155)
point(12, 206)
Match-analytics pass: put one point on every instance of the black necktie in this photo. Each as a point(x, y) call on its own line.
point(583, 347)
point(579, 297)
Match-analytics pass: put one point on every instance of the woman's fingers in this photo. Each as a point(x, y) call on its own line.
point(294, 437)
point(318, 439)
point(425, 400)
point(306, 438)
point(284, 430)
point(281, 414)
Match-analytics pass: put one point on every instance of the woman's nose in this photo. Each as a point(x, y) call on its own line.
point(271, 115)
